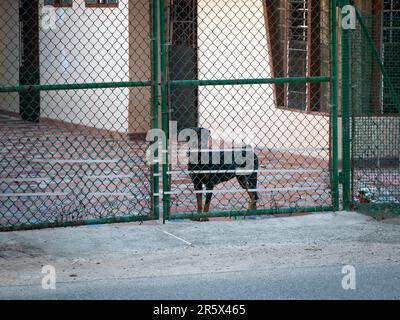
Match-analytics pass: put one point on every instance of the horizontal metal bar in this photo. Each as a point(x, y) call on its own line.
point(246, 171)
point(241, 149)
point(110, 177)
point(240, 191)
point(19, 180)
point(61, 194)
point(65, 161)
point(74, 86)
point(36, 195)
point(110, 194)
point(76, 223)
point(85, 161)
point(248, 81)
point(260, 212)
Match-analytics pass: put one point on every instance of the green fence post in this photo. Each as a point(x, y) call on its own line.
point(334, 111)
point(164, 110)
point(155, 125)
point(378, 60)
point(346, 181)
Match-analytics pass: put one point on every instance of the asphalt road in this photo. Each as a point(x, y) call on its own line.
point(372, 282)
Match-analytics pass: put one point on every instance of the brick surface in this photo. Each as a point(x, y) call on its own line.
point(50, 173)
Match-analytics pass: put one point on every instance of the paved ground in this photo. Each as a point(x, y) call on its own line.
point(179, 250)
point(372, 282)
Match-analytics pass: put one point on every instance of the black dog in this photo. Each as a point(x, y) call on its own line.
point(210, 168)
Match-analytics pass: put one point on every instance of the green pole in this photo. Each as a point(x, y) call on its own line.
point(155, 79)
point(346, 115)
point(75, 86)
point(232, 82)
point(335, 114)
point(378, 59)
point(164, 111)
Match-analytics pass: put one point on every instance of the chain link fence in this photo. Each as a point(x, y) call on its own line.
point(375, 120)
point(83, 81)
point(75, 106)
point(256, 74)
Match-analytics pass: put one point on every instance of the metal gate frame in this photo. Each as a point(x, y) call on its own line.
point(161, 86)
point(347, 176)
point(166, 85)
point(152, 83)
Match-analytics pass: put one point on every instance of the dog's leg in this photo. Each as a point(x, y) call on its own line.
point(208, 200)
point(252, 203)
point(198, 186)
point(244, 183)
point(199, 197)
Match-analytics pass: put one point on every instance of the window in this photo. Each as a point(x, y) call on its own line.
point(101, 3)
point(296, 34)
point(390, 53)
point(58, 3)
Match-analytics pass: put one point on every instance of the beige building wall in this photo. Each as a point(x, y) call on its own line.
point(139, 65)
point(86, 45)
point(94, 45)
point(233, 45)
point(9, 53)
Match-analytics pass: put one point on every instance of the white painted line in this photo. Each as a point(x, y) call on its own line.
point(183, 240)
point(9, 180)
point(110, 194)
point(76, 161)
point(212, 150)
point(104, 177)
point(292, 149)
point(248, 171)
point(243, 190)
point(251, 149)
point(45, 194)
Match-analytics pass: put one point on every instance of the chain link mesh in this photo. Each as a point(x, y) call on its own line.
point(287, 124)
point(70, 156)
point(375, 92)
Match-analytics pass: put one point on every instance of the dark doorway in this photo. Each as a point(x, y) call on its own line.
point(29, 62)
point(183, 62)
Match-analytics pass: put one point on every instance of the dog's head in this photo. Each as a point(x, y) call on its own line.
point(198, 138)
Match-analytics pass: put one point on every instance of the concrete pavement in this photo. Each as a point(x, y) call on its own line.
point(105, 253)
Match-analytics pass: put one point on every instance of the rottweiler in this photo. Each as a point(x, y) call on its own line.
point(209, 167)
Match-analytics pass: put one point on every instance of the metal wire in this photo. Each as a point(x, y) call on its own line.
point(75, 105)
point(254, 73)
point(375, 92)
point(82, 82)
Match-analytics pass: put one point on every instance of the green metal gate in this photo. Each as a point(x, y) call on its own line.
point(256, 74)
point(82, 83)
point(374, 115)
point(77, 92)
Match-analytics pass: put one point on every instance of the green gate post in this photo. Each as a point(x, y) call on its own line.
point(164, 110)
point(346, 181)
point(155, 125)
point(334, 111)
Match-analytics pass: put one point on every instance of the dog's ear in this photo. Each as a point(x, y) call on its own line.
point(201, 133)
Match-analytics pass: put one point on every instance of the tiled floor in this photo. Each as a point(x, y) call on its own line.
point(49, 173)
point(285, 180)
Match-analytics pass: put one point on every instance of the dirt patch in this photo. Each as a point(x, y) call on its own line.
point(13, 251)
